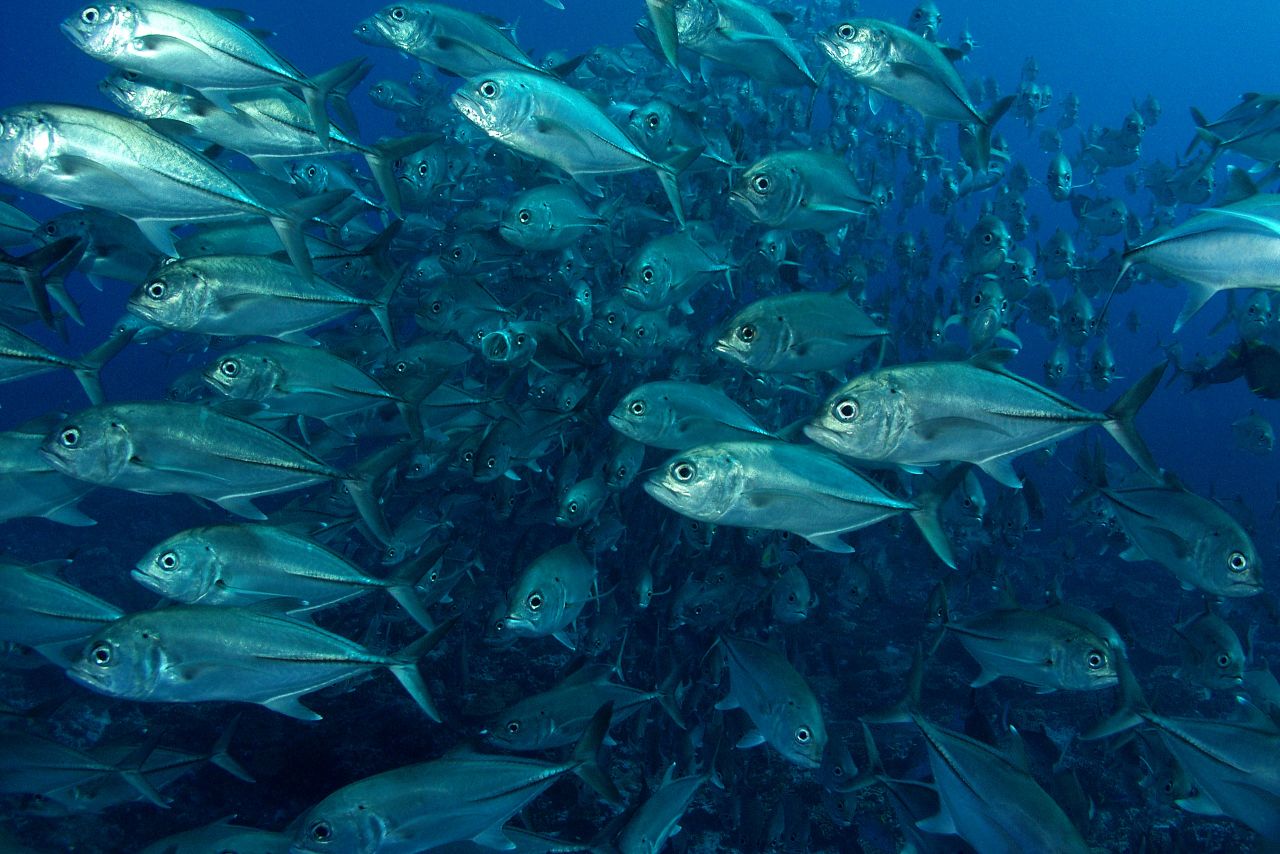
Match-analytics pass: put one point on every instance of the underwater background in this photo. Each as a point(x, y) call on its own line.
point(854, 646)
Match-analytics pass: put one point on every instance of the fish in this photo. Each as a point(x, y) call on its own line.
point(800, 190)
point(462, 796)
point(549, 120)
point(457, 41)
point(679, 415)
point(548, 595)
point(1212, 656)
point(786, 487)
point(1230, 761)
point(41, 610)
point(658, 818)
point(1254, 434)
point(974, 411)
point(899, 64)
point(742, 35)
point(798, 332)
point(195, 653)
point(783, 709)
point(196, 47)
point(86, 157)
point(162, 447)
point(243, 564)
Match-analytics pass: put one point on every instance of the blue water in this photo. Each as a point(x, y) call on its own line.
point(1112, 55)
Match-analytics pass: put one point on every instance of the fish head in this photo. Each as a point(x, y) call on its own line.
point(773, 246)
point(1055, 367)
point(103, 30)
point(520, 729)
point(185, 567)
point(799, 733)
point(858, 46)
point(141, 96)
point(647, 281)
point(92, 445)
point(578, 505)
point(645, 414)
point(703, 482)
point(311, 176)
point(402, 26)
point(753, 338)
point(1229, 561)
point(769, 191)
point(126, 659)
point(623, 464)
point(865, 419)
point(1086, 662)
point(652, 124)
point(174, 296)
point(925, 20)
point(987, 245)
point(498, 102)
point(29, 140)
point(508, 346)
point(527, 225)
point(341, 822)
point(244, 375)
point(1058, 180)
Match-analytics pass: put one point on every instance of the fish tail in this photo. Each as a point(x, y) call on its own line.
point(220, 756)
point(42, 270)
point(928, 519)
point(288, 224)
point(668, 700)
point(1120, 420)
point(379, 306)
point(982, 133)
point(1133, 706)
point(405, 667)
point(130, 769)
point(939, 607)
point(663, 15)
point(908, 707)
point(669, 171)
point(360, 488)
point(406, 576)
point(317, 91)
point(88, 370)
point(382, 159)
point(586, 755)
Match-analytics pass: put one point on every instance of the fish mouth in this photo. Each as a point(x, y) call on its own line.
point(662, 493)
point(72, 32)
point(824, 436)
point(147, 580)
point(369, 32)
point(89, 678)
point(832, 48)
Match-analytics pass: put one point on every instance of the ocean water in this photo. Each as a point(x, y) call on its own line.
point(853, 653)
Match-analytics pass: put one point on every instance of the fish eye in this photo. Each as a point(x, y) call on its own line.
point(646, 273)
point(803, 734)
point(51, 229)
point(640, 332)
point(846, 410)
point(90, 15)
point(436, 307)
point(311, 171)
point(457, 254)
point(156, 290)
point(513, 727)
point(1236, 561)
point(747, 332)
point(488, 89)
point(637, 407)
point(229, 367)
point(1004, 305)
point(968, 502)
point(573, 507)
point(987, 238)
point(70, 437)
point(761, 184)
point(524, 216)
point(977, 299)
point(621, 472)
point(101, 654)
point(434, 576)
point(168, 560)
point(652, 120)
point(1224, 660)
point(401, 366)
point(491, 462)
point(468, 456)
point(322, 831)
point(845, 31)
point(534, 601)
point(519, 340)
point(683, 471)
point(1095, 659)
point(423, 169)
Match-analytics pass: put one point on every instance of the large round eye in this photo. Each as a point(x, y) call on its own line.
point(1224, 660)
point(168, 560)
point(637, 407)
point(747, 332)
point(401, 366)
point(424, 169)
point(488, 89)
point(90, 15)
point(398, 13)
point(683, 471)
point(641, 332)
point(803, 735)
point(646, 273)
point(437, 307)
point(845, 410)
point(101, 654)
point(1095, 659)
point(70, 437)
point(621, 472)
point(977, 299)
point(491, 462)
point(322, 831)
point(761, 184)
point(513, 727)
point(534, 601)
point(156, 290)
point(468, 456)
point(1004, 305)
point(573, 507)
point(987, 238)
point(652, 120)
point(229, 367)
point(1236, 561)
point(611, 318)
point(845, 31)
point(520, 340)
point(311, 171)
point(524, 216)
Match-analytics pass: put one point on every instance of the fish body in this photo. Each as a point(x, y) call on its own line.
point(776, 697)
point(798, 190)
point(679, 415)
point(549, 595)
point(798, 332)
